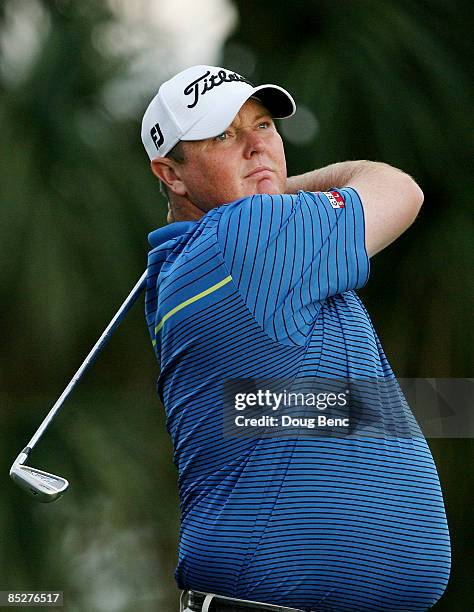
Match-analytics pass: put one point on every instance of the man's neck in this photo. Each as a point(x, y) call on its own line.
point(182, 209)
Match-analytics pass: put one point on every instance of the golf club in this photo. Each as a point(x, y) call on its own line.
point(46, 487)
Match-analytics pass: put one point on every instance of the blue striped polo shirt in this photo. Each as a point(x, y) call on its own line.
point(263, 288)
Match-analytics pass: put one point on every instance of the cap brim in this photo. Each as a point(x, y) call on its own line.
point(277, 100)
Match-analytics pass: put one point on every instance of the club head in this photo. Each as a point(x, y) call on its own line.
point(43, 486)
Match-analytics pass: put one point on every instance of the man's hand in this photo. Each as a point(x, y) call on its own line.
point(391, 198)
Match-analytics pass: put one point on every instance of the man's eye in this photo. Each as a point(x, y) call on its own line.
point(264, 124)
point(221, 137)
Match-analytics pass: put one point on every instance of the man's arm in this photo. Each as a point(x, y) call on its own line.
point(391, 198)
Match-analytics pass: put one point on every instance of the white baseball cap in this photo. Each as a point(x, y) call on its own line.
point(201, 102)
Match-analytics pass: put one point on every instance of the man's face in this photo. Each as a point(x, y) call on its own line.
point(247, 158)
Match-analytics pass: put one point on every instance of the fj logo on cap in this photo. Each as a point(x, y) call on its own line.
point(157, 135)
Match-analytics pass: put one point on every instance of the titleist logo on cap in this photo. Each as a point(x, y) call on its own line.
point(208, 81)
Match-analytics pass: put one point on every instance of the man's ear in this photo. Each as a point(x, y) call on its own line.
point(168, 172)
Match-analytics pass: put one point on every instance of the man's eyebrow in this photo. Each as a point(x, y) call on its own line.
point(260, 115)
point(263, 114)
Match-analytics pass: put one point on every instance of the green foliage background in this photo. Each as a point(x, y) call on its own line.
point(386, 79)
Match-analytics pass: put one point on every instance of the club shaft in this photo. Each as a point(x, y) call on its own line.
point(98, 346)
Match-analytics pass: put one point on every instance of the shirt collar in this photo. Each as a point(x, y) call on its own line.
point(168, 232)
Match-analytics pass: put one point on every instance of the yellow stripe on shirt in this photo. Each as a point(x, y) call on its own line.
point(191, 300)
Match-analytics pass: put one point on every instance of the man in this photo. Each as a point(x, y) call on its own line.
point(254, 279)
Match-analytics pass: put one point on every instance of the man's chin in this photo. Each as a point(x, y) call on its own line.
point(267, 186)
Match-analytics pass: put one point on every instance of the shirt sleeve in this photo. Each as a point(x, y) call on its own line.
point(287, 254)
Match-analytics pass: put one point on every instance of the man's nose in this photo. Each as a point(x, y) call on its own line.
point(254, 143)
